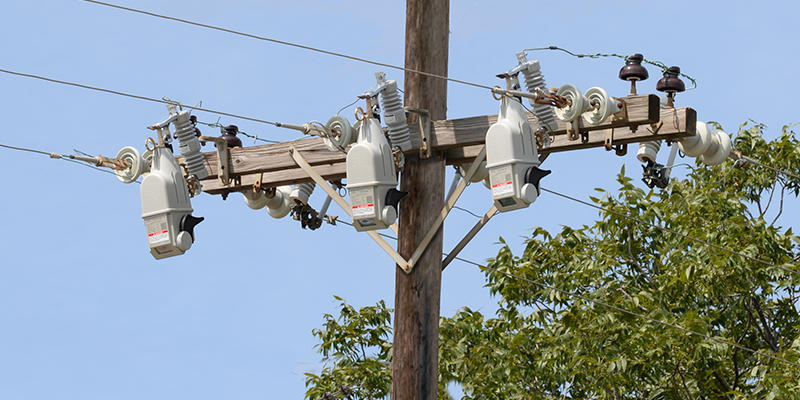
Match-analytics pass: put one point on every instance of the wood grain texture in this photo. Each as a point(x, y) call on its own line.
point(415, 358)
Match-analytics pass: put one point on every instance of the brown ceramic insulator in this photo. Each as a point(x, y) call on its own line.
point(229, 134)
point(633, 69)
point(671, 82)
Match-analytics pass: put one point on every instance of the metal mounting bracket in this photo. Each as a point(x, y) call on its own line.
point(572, 130)
point(619, 149)
point(447, 207)
point(257, 185)
point(621, 115)
point(223, 158)
point(424, 131)
point(609, 143)
point(302, 163)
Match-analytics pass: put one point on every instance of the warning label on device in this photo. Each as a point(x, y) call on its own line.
point(158, 237)
point(157, 231)
point(500, 179)
point(362, 202)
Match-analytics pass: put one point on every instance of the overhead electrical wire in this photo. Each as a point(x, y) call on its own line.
point(80, 160)
point(665, 229)
point(613, 307)
point(778, 170)
point(300, 46)
point(28, 150)
point(134, 96)
point(658, 64)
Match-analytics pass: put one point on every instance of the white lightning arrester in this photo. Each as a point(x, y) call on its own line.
point(511, 155)
point(166, 206)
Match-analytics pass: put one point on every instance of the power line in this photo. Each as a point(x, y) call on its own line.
point(134, 96)
point(80, 160)
point(255, 138)
point(780, 171)
point(665, 229)
point(468, 212)
point(300, 46)
point(28, 150)
point(658, 64)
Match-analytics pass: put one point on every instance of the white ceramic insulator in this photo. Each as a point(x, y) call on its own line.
point(606, 106)
point(719, 149)
point(148, 160)
point(697, 144)
point(280, 205)
point(648, 151)
point(395, 117)
point(256, 201)
point(535, 80)
point(302, 192)
point(190, 146)
point(137, 165)
point(343, 138)
point(578, 103)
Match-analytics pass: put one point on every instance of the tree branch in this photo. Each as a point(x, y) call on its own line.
point(736, 373)
point(758, 202)
point(639, 268)
point(631, 299)
point(771, 193)
point(769, 335)
point(685, 388)
point(723, 385)
point(780, 209)
point(675, 383)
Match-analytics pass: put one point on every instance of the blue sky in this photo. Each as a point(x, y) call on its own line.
point(86, 312)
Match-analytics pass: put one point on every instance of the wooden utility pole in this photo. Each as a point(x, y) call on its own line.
point(417, 295)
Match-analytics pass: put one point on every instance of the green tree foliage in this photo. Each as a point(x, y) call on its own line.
point(358, 345)
point(546, 343)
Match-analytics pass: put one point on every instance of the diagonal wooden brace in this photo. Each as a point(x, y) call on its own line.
point(447, 207)
point(302, 163)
